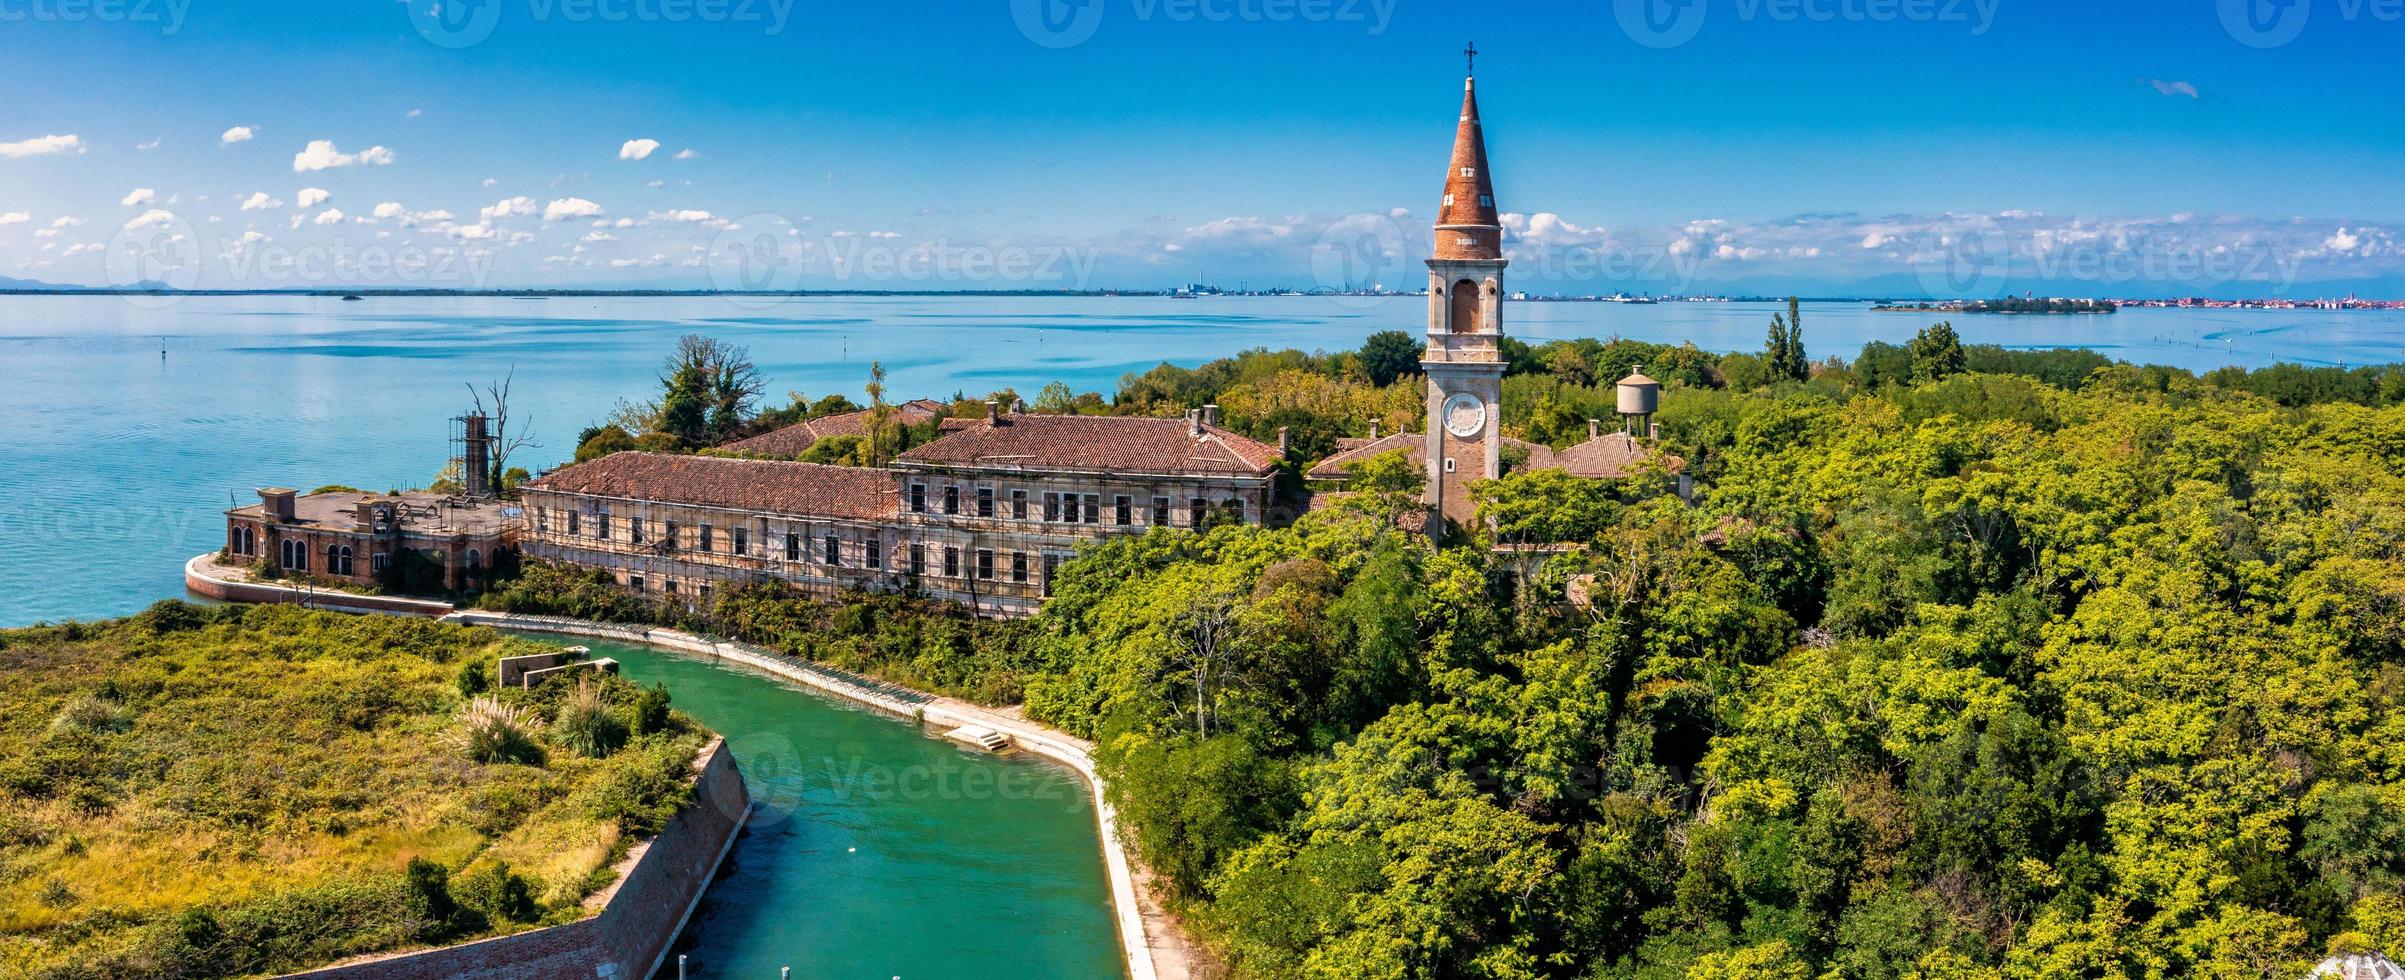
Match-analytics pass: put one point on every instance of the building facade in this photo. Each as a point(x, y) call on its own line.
point(983, 516)
point(437, 542)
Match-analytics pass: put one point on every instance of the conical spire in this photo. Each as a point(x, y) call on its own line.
point(1466, 226)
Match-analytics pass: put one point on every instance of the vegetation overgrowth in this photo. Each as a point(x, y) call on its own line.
point(240, 790)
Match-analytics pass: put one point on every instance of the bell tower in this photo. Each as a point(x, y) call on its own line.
point(1464, 361)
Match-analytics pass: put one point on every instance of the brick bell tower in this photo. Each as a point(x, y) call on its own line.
point(1465, 327)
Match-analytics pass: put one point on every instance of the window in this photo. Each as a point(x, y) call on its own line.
point(985, 501)
point(542, 520)
point(573, 528)
point(951, 500)
point(709, 538)
point(1052, 506)
point(1469, 171)
point(378, 563)
point(793, 546)
point(985, 563)
point(1195, 512)
point(634, 584)
point(1093, 508)
point(1069, 507)
point(918, 498)
point(701, 593)
point(1486, 200)
point(918, 559)
point(294, 554)
point(1234, 508)
point(670, 586)
point(1122, 511)
point(601, 525)
point(338, 560)
point(873, 553)
point(1160, 511)
point(833, 550)
point(743, 540)
point(475, 563)
point(668, 535)
point(951, 562)
point(1448, 464)
point(241, 539)
point(1052, 569)
point(1018, 505)
point(634, 530)
point(1018, 566)
point(1448, 200)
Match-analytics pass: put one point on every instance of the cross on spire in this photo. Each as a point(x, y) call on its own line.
point(1471, 53)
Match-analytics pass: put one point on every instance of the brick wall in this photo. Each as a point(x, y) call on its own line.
point(658, 885)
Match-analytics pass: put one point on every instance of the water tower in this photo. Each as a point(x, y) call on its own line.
point(1640, 397)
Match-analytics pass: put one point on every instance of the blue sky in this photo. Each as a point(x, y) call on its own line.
point(2234, 146)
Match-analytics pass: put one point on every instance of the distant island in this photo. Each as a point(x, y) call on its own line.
point(2006, 305)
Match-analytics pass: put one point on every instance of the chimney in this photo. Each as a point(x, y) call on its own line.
point(476, 462)
point(1283, 442)
point(1193, 422)
point(276, 503)
point(1373, 430)
point(1019, 407)
point(993, 413)
point(1210, 415)
point(1653, 430)
point(1594, 429)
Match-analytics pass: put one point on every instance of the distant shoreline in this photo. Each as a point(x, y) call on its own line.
point(1877, 304)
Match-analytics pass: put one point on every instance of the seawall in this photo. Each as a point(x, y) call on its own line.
point(660, 881)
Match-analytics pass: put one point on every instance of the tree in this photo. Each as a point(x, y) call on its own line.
point(1056, 398)
point(493, 404)
point(1936, 353)
point(708, 391)
point(1390, 354)
point(1783, 353)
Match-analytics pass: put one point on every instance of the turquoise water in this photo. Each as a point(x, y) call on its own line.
point(878, 852)
point(117, 461)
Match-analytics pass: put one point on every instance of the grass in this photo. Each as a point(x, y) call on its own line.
point(239, 790)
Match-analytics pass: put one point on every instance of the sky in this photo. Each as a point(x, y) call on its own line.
point(1894, 147)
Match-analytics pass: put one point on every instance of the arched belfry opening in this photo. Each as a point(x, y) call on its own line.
point(1465, 307)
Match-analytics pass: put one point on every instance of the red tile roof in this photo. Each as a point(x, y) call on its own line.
point(794, 439)
point(1098, 444)
point(745, 484)
point(1609, 456)
point(1414, 446)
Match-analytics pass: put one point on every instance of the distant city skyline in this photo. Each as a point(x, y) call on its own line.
point(1876, 147)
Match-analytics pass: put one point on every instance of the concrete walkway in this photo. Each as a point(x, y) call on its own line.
point(1155, 948)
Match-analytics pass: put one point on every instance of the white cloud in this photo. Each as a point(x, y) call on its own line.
point(260, 201)
point(390, 209)
point(148, 144)
point(2162, 87)
point(321, 155)
point(508, 207)
point(414, 113)
point(655, 184)
point(153, 218)
point(238, 134)
point(2343, 241)
point(637, 149)
point(310, 197)
point(41, 146)
point(15, 218)
point(600, 236)
point(687, 153)
point(328, 216)
point(885, 234)
point(570, 207)
point(492, 182)
point(73, 250)
point(474, 232)
point(683, 216)
point(66, 221)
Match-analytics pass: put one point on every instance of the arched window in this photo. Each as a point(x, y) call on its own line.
point(475, 561)
point(338, 559)
point(295, 554)
point(1465, 307)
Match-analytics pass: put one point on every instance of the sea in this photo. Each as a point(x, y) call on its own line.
point(133, 422)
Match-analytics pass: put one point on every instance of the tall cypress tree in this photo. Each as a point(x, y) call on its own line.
point(1784, 351)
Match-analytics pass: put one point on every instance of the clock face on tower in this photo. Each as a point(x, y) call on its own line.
point(1465, 415)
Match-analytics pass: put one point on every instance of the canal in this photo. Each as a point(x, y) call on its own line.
point(876, 852)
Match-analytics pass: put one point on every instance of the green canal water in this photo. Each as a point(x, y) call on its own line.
point(877, 852)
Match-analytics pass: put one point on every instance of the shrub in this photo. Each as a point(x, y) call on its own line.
point(500, 894)
point(94, 714)
point(474, 676)
point(585, 724)
point(495, 732)
point(651, 709)
point(430, 891)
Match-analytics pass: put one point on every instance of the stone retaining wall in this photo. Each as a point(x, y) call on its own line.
point(659, 883)
point(199, 581)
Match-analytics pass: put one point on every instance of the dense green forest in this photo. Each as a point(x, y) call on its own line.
point(1964, 662)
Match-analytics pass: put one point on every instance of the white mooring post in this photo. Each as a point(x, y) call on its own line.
point(680, 966)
